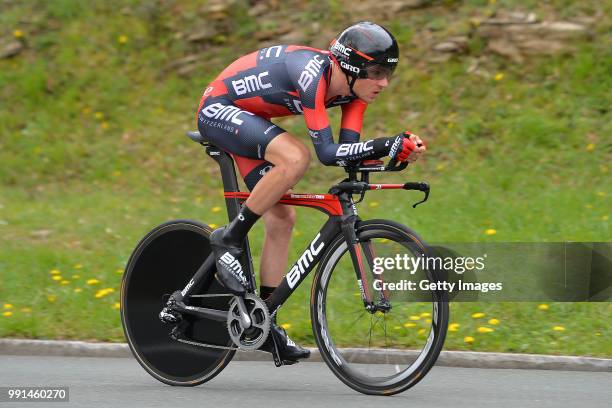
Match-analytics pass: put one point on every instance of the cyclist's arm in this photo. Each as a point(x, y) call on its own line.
point(352, 120)
point(311, 86)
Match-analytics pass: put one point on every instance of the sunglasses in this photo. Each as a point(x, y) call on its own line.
point(378, 71)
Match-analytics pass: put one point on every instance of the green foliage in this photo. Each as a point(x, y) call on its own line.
point(92, 153)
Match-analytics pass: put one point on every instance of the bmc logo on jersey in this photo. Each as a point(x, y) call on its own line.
point(224, 112)
point(342, 49)
point(349, 67)
point(311, 70)
point(251, 83)
point(347, 149)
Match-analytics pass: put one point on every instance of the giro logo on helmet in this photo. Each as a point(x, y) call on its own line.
point(349, 67)
point(392, 59)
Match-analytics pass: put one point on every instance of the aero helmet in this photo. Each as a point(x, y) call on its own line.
point(365, 50)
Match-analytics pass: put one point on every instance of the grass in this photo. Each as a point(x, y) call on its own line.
point(92, 157)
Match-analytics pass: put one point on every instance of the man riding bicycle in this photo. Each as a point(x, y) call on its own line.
point(235, 112)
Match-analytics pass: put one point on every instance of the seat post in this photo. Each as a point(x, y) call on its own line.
point(230, 184)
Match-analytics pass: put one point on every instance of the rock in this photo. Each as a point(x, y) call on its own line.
point(452, 44)
point(505, 18)
point(506, 49)
point(544, 47)
point(11, 49)
point(204, 34)
point(258, 9)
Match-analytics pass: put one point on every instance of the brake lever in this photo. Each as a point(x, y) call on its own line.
point(418, 186)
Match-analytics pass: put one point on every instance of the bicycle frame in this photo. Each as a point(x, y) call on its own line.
point(342, 214)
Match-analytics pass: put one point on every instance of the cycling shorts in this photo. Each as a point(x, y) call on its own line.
point(240, 133)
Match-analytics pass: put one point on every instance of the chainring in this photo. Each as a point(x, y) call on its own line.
point(255, 336)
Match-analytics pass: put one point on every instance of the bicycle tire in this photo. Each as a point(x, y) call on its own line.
point(163, 261)
point(348, 364)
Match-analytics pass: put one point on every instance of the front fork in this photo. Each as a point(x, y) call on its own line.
point(373, 300)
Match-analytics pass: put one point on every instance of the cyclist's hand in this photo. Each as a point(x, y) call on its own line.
point(407, 147)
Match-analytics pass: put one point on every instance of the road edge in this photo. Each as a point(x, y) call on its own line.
point(466, 359)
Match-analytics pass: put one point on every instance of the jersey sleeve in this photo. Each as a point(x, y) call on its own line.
point(308, 72)
point(352, 121)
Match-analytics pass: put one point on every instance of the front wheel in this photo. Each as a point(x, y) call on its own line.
point(389, 350)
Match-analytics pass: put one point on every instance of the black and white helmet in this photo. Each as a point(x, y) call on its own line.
point(366, 50)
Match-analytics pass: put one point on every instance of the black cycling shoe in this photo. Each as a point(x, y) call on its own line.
point(288, 351)
point(229, 269)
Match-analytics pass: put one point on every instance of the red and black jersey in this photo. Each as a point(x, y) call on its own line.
point(287, 80)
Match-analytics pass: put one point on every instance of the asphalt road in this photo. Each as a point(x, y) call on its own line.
point(121, 382)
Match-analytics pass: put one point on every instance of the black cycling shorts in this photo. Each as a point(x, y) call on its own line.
point(241, 133)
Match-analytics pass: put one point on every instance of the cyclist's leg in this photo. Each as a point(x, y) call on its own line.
point(253, 137)
point(279, 221)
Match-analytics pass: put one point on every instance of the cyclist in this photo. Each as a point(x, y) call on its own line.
point(235, 112)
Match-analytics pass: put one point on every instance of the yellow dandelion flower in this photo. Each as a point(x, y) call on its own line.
point(17, 33)
point(65, 282)
point(397, 327)
point(409, 325)
point(559, 328)
point(51, 298)
point(104, 125)
point(374, 204)
point(421, 331)
point(76, 276)
point(485, 329)
point(78, 290)
point(543, 306)
point(604, 218)
point(101, 293)
point(425, 314)
point(8, 306)
point(414, 317)
point(216, 209)
point(26, 310)
point(478, 315)
point(122, 39)
point(468, 339)
point(56, 277)
point(92, 281)
point(213, 226)
point(7, 314)
point(493, 322)
point(499, 76)
point(119, 271)
point(286, 326)
point(590, 147)
point(453, 327)
point(490, 231)
point(116, 305)
point(77, 266)
point(99, 115)
point(54, 272)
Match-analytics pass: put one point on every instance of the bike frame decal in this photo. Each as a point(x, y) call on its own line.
point(327, 203)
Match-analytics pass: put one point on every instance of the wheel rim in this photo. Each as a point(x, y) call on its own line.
point(398, 343)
